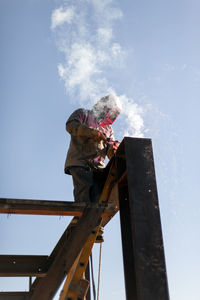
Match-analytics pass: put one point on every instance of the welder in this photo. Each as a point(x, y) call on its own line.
point(91, 141)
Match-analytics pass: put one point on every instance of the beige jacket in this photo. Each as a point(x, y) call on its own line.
point(83, 150)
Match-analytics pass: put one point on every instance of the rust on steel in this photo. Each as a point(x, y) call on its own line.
point(53, 208)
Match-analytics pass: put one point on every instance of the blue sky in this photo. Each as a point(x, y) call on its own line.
point(145, 51)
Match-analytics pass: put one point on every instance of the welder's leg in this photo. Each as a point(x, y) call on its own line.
point(98, 183)
point(88, 184)
point(95, 191)
point(83, 182)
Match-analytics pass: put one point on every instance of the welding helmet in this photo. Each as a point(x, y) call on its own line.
point(107, 109)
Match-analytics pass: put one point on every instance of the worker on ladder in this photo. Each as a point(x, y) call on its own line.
point(91, 140)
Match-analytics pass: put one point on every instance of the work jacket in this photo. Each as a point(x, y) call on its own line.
point(83, 150)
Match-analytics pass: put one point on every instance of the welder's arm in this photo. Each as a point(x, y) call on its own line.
point(78, 129)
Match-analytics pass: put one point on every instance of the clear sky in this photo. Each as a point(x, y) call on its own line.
point(57, 56)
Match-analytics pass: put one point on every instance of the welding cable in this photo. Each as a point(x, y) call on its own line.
point(93, 281)
point(100, 255)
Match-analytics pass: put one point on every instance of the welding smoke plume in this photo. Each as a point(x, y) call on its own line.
point(84, 34)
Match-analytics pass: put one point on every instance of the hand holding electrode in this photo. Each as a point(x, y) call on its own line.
point(113, 146)
point(98, 136)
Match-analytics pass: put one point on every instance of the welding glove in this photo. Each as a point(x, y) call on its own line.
point(112, 149)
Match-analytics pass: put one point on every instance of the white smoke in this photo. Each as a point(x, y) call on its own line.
point(84, 32)
point(132, 115)
point(61, 16)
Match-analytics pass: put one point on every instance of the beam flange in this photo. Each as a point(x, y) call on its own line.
point(14, 296)
point(54, 208)
point(23, 265)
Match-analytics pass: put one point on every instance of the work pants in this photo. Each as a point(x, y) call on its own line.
point(88, 184)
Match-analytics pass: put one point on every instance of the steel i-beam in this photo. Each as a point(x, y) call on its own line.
point(143, 252)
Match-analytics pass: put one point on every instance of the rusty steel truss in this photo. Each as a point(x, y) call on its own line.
point(130, 188)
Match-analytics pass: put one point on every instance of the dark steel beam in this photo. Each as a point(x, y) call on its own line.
point(23, 265)
point(14, 295)
point(56, 208)
point(143, 252)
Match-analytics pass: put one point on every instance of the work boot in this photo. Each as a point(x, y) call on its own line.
point(99, 238)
